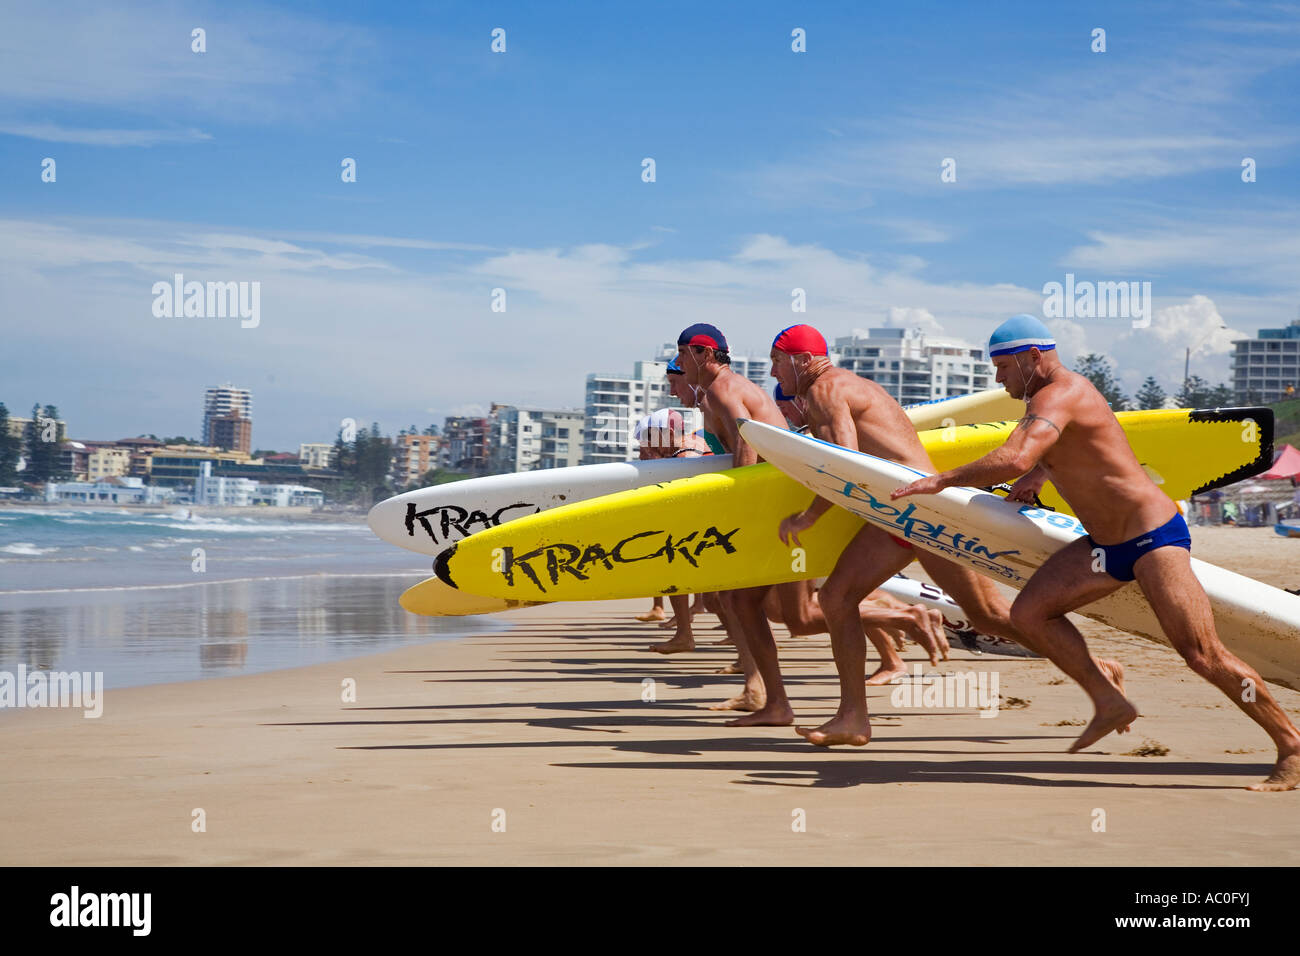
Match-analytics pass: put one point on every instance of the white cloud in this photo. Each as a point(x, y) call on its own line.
point(897, 317)
point(53, 133)
point(1160, 350)
point(346, 333)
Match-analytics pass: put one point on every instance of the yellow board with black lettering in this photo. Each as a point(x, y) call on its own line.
point(718, 531)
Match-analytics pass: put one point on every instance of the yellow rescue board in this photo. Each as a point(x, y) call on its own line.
point(718, 531)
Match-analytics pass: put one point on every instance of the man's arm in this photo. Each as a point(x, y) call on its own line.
point(840, 430)
point(1018, 455)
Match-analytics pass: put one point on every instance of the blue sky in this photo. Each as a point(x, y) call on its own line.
point(522, 170)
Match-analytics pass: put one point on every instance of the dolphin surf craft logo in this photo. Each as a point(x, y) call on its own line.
point(906, 523)
point(552, 560)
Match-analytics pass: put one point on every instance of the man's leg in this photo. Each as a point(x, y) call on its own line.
point(802, 613)
point(683, 639)
point(1183, 609)
point(1066, 582)
point(987, 610)
point(867, 562)
point(754, 696)
point(753, 631)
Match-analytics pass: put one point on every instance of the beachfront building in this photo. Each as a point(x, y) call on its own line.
point(286, 496)
point(915, 366)
point(615, 403)
point(228, 418)
point(141, 452)
point(107, 461)
point(318, 454)
point(181, 464)
point(222, 491)
point(524, 438)
point(123, 490)
point(465, 444)
point(413, 455)
point(1267, 368)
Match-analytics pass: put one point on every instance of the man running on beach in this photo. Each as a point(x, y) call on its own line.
point(723, 397)
point(856, 413)
point(1135, 532)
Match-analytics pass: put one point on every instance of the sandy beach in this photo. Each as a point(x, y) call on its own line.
point(534, 746)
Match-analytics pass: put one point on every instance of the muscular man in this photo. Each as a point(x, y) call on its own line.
point(724, 397)
point(1071, 437)
point(858, 414)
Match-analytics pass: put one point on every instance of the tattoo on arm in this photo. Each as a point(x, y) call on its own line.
point(1031, 418)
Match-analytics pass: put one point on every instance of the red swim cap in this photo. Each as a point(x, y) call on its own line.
point(800, 338)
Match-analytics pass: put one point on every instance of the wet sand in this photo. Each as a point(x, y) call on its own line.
point(547, 723)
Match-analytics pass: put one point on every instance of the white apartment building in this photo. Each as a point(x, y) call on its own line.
point(112, 490)
point(317, 454)
point(615, 403)
point(914, 366)
point(1267, 367)
point(225, 492)
point(285, 496)
point(524, 438)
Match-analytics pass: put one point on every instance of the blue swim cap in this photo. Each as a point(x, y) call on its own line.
point(779, 395)
point(674, 368)
point(1019, 334)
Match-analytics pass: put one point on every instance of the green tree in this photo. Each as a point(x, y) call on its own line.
point(1222, 396)
point(1150, 395)
point(1097, 369)
point(10, 450)
point(41, 440)
point(1195, 393)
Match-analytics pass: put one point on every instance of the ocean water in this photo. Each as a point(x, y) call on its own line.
point(150, 598)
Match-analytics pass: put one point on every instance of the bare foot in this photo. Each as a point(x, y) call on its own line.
point(1119, 714)
point(679, 644)
point(670, 623)
point(746, 701)
point(725, 640)
point(1285, 775)
point(838, 730)
point(654, 614)
point(1114, 671)
point(772, 715)
point(732, 668)
point(884, 675)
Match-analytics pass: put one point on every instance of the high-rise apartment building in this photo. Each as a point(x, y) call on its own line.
point(228, 418)
point(914, 366)
point(1267, 368)
point(524, 438)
